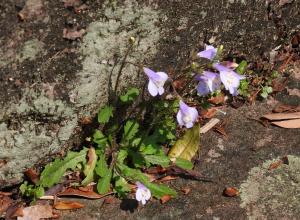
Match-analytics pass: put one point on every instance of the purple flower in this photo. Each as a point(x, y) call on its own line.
point(186, 115)
point(208, 82)
point(156, 81)
point(209, 53)
point(142, 193)
point(229, 78)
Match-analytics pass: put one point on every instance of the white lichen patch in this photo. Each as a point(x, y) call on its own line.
point(272, 193)
point(105, 45)
point(30, 50)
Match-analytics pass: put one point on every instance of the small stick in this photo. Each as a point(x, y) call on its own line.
point(209, 125)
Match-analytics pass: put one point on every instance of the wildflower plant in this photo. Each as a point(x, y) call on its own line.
point(135, 133)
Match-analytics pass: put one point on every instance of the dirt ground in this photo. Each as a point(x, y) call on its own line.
point(48, 82)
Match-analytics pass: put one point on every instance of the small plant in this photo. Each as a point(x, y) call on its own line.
point(135, 133)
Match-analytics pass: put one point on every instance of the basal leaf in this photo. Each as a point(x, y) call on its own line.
point(105, 114)
point(99, 138)
point(55, 170)
point(184, 164)
point(103, 185)
point(101, 166)
point(160, 190)
point(130, 95)
point(164, 161)
point(90, 167)
point(130, 130)
point(188, 145)
point(121, 186)
point(242, 67)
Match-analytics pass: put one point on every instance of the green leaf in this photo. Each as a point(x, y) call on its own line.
point(164, 161)
point(101, 167)
point(132, 174)
point(55, 170)
point(103, 185)
point(121, 186)
point(130, 95)
point(130, 130)
point(90, 167)
point(39, 192)
point(266, 91)
point(122, 156)
point(188, 145)
point(105, 114)
point(160, 190)
point(184, 164)
point(99, 138)
point(242, 67)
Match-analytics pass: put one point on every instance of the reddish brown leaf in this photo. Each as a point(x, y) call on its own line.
point(73, 34)
point(165, 199)
point(209, 113)
point(32, 175)
point(5, 193)
point(278, 86)
point(179, 84)
point(275, 165)
point(217, 100)
point(66, 205)
point(186, 190)
point(5, 203)
point(86, 120)
point(168, 178)
point(230, 192)
point(282, 116)
point(155, 170)
point(37, 212)
point(77, 192)
point(110, 200)
point(295, 123)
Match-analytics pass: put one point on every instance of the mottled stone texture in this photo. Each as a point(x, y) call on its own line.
point(47, 83)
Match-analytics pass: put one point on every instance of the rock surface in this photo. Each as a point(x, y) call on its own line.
point(47, 83)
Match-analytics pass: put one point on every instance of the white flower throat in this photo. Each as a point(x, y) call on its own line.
point(187, 119)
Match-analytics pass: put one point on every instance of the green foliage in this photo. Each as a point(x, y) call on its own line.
point(161, 160)
point(103, 185)
point(105, 114)
point(241, 69)
point(184, 164)
point(130, 95)
point(90, 167)
point(101, 166)
point(244, 88)
point(130, 129)
point(55, 170)
point(31, 190)
point(266, 90)
point(99, 138)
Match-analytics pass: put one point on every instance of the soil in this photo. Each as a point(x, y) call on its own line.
point(47, 83)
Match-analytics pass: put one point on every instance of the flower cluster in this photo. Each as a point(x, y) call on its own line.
point(210, 81)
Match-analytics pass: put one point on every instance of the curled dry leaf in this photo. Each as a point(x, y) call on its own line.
point(73, 34)
point(217, 100)
point(186, 190)
point(5, 203)
point(66, 205)
point(209, 113)
point(77, 192)
point(32, 175)
point(275, 165)
point(165, 199)
point(37, 212)
point(230, 192)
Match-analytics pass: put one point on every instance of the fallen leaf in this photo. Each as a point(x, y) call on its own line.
point(5, 203)
point(77, 192)
point(282, 116)
point(73, 34)
point(86, 120)
point(230, 192)
point(209, 113)
point(217, 100)
point(165, 199)
point(286, 108)
point(90, 166)
point(168, 178)
point(188, 145)
point(275, 165)
point(110, 200)
point(32, 9)
point(186, 190)
point(32, 175)
point(66, 205)
point(37, 212)
point(295, 123)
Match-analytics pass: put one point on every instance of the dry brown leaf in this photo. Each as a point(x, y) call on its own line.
point(275, 165)
point(230, 192)
point(5, 203)
point(86, 120)
point(285, 108)
point(165, 199)
point(186, 190)
point(219, 99)
point(295, 123)
point(37, 212)
point(209, 113)
point(77, 192)
point(66, 205)
point(32, 9)
point(32, 175)
point(282, 116)
point(73, 34)
point(168, 178)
